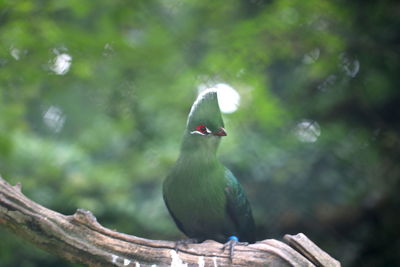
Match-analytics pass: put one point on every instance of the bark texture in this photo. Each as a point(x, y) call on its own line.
point(80, 238)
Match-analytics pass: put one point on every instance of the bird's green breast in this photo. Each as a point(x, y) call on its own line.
point(195, 193)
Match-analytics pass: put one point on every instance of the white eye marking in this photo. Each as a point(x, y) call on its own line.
point(207, 132)
point(196, 132)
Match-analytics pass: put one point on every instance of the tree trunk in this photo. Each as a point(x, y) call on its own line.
point(80, 238)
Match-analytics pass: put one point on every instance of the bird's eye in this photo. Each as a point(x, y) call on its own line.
point(202, 129)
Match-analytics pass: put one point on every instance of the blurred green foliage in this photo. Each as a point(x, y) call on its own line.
point(94, 97)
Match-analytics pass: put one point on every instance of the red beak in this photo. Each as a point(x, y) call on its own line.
point(221, 132)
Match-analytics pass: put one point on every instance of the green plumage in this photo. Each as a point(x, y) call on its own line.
point(204, 198)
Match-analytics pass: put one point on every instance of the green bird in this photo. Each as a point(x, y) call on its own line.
point(203, 197)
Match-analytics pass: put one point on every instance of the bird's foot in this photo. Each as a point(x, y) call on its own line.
point(185, 242)
point(232, 242)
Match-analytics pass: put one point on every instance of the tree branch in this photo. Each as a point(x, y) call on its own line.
point(80, 238)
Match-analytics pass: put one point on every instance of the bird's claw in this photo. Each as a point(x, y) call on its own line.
point(232, 242)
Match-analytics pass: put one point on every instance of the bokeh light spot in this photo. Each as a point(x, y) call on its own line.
point(54, 119)
point(61, 64)
point(307, 131)
point(228, 97)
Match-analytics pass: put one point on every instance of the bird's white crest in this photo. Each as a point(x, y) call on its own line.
point(228, 97)
point(198, 100)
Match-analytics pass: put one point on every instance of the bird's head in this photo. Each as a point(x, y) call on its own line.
point(205, 124)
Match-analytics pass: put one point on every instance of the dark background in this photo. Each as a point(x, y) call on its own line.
point(94, 97)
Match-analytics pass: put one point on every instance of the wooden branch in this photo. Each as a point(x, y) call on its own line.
point(80, 238)
point(311, 251)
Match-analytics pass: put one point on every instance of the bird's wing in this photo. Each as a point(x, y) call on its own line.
point(177, 222)
point(239, 209)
